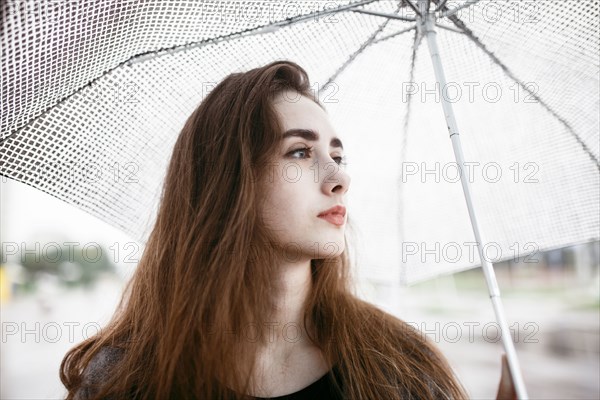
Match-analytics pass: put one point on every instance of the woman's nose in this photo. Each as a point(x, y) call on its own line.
point(336, 179)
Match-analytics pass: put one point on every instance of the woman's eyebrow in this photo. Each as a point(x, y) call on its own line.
point(311, 135)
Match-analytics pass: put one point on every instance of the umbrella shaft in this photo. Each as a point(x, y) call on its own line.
point(427, 25)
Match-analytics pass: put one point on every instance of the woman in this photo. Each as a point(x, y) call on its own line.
point(243, 290)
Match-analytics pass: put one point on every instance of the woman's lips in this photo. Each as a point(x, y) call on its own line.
point(336, 219)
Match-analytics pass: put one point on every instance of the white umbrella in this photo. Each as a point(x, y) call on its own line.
point(95, 93)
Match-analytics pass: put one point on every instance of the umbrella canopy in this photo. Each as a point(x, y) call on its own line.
point(94, 95)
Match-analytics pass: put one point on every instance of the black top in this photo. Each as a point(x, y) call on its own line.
point(313, 391)
point(323, 389)
point(99, 368)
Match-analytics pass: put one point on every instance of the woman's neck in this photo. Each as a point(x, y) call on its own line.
point(286, 322)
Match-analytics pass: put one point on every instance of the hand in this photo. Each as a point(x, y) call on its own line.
point(506, 390)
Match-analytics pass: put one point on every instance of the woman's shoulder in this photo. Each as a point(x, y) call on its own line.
point(392, 334)
point(374, 316)
point(98, 371)
point(103, 360)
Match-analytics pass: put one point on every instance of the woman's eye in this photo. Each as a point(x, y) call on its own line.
point(306, 150)
point(342, 160)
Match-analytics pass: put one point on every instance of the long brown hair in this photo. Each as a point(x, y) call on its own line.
point(207, 272)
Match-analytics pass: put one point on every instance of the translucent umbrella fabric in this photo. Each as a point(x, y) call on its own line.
point(95, 93)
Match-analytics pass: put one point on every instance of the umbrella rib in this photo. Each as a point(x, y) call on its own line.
point(414, 8)
point(449, 29)
point(140, 57)
point(440, 5)
point(469, 33)
point(299, 18)
point(413, 58)
point(353, 56)
point(385, 15)
point(450, 12)
point(391, 35)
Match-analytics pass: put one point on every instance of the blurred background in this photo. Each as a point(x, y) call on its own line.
point(62, 273)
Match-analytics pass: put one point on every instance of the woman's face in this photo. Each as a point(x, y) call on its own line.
point(303, 183)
